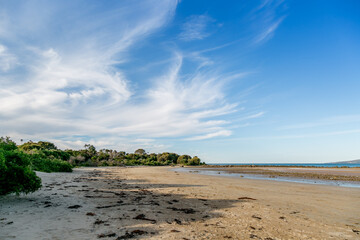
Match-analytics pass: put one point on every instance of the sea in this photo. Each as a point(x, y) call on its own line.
point(289, 164)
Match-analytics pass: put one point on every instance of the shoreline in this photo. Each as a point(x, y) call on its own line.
point(285, 165)
point(155, 203)
point(314, 173)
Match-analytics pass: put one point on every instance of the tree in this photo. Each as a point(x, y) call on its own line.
point(183, 159)
point(194, 161)
point(140, 151)
point(167, 158)
point(7, 144)
point(41, 145)
point(89, 152)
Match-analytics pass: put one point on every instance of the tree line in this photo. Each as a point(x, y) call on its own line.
point(18, 162)
point(89, 156)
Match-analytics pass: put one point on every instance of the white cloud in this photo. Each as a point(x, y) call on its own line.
point(176, 107)
point(268, 31)
point(221, 133)
point(196, 28)
point(68, 85)
point(267, 18)
point(7, 60)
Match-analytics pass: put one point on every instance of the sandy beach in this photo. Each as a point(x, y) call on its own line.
point(155, 203)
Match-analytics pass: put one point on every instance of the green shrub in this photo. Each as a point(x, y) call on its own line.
point(16, 176)
point(46, 157)
point(6, 144)
point(183, 159)
point(39, 146)
point(194, 161)
point(40, 162)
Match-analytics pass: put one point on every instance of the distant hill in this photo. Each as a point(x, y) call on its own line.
point(348, 162)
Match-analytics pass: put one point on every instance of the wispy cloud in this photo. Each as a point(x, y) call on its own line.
point(221, 133)
point(67, 83)
point(267, 18)
point(268, 31)
point(7, 60)
point(196, 28)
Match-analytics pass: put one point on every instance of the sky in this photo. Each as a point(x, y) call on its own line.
point(256, 81)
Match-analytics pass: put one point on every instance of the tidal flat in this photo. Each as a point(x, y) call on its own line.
point(345, 177)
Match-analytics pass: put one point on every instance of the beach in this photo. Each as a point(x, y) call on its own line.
point(162, 203)
point(337, 176)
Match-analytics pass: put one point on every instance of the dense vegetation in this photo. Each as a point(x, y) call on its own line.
point(47, 157)
point(107, 157)
point(16, 174)
point(18, 163)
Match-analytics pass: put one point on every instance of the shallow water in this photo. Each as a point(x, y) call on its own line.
point(348, 165)
point(264, 177)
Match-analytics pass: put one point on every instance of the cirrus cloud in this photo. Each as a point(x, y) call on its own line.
point(67, 83)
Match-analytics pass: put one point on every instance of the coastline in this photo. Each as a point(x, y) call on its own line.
point(156, 203)
point(325, 173)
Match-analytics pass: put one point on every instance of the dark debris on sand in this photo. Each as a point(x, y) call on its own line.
point(103, 235)
point(98, 221)
point(184, 210)
point(246, 198)
point(132, 234)
point(75, 206)
point(142, 217)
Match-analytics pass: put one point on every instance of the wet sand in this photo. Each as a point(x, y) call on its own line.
point(336, 174)
point(155, 203)
point(332, 171)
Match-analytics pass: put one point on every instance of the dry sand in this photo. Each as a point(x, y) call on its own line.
point(155, 203)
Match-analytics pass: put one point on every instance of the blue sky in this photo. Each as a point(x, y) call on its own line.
point(231, 81)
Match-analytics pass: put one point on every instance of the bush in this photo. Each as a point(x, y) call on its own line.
point(39, 146)
point(16, 176)
point(39, 162)
point(194, 161)
point(183, 159)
